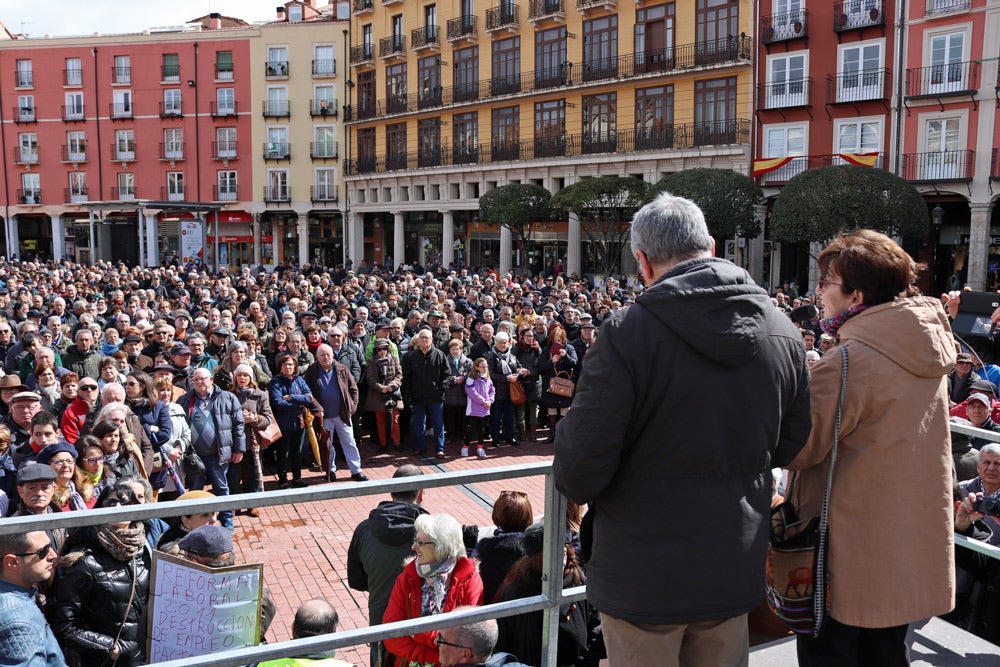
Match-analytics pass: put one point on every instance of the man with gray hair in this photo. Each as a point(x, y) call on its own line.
point(471, 645)
point(645, 432)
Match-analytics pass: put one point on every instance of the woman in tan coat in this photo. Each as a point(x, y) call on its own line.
point(890, 520)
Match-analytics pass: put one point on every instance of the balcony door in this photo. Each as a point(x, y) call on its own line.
point(944, 154)
point(947, 73)
point(654, 39)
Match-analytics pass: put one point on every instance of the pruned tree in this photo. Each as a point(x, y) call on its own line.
point(727, 199)
point(516, 206)
point(605, 206)
point(818, 204)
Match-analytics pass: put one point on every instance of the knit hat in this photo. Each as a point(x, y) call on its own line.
point(243, 368)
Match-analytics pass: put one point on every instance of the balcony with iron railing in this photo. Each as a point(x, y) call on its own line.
point(276, 69)
point(323, 150)
point(784, 94)
point(324, 193)
point(277, 193)
point(75, 154)
point(72, 113)
point(24, 114)
point(223, 110)
point(546, 10)
point(783, 27)
point(957, 165)
point(799, 164)
point(175, 193)
point(857, 86)
point(122, 151)
point(120, 110)
point(170, 109)
point(224, 71)
point(123, 194)
point(224, 150)
point(393, 46)
point(277, 150)
point(172, 151)
point(323, 108)
point(947, 6)
point(585, 6)
point(75, 195)
point(462, 28)
point(276, 109)
point(961, 78)
point(24, 155)
point(502, 18)
point(30, 197)
point(73, 77)
point(24, 79)
point(858, 15)
point(362, 6)
point(720, 53)
point(660, 136)
point(324, 69)
point(425, 38)
point(228, 193)
point(170, 72)
point(365, 53)
point(121, 75)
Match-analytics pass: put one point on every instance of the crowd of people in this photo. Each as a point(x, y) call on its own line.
point(127, 385)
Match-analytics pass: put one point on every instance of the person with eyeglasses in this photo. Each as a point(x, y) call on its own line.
point(36, 484)
point(23, 407)
point(440, 579)
point(61, 457)
point(99, 601)
point(92, 474)
point(75, 415)
point(26, 640)
point(471, 645)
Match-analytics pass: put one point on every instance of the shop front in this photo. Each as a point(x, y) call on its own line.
point(34, 236)
point(326, 238)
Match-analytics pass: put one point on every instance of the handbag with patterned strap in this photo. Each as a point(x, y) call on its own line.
point(795, 572)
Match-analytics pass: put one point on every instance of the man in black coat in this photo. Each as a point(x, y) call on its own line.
point(664, 464)
point(425, 369)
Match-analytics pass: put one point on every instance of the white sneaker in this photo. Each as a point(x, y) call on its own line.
point(480, 452)
point(465, 450)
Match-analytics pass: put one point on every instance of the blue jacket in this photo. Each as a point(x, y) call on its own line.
point(26, 640)
point(227, 415)
point(287, 412)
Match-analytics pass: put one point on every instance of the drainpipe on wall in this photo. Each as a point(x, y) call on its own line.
point(895, 164)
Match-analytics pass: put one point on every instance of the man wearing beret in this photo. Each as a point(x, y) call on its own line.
point(36, 483)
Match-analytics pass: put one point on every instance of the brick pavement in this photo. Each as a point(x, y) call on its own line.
point(304, 547)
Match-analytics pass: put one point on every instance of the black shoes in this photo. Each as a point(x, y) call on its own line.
point(359, 477)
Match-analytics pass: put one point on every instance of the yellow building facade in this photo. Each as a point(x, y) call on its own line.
point(451, 99)
point(297, 136)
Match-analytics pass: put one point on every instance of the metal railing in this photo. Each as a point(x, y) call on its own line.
point(172, 150)
point(225, 194)
point(784, 95)
point(76, 153)
point(783, 27)
point(276, 69)
point(798, 164)
point(319, 150)
point(945, 6)
point(424, 37)
point(277, 150)
point(172, 109)
point(362, 53)
point(277, 193)
point(502, 17)
point(861, 86)
point(121, 74)
point(323, 108)
point(934, 166)
point(360, 6)
point(75, 195)
point(24, 114)
point(463, 26)
point(661, 137)
point(121, 109)
point(858, 14)
point(224, 150)
point(324, 68)
point(223, 110)
point(276, 108)
point(552, 596)
point(30, 197)
point(540, 9)
point(960, 78)
point(73, 77)
point(391, 46)
point(25, 155)
point(717, 52)
point(320, 193)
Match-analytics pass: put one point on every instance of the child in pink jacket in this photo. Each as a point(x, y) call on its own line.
point(481, 392)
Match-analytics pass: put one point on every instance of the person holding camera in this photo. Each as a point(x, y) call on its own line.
point(988, 485)
point(385, 377)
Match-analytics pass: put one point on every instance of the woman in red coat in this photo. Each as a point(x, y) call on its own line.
point(438, 580)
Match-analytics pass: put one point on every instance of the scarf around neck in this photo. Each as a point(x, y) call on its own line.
point(434, 588)
point(122, 543)
point(831, 325)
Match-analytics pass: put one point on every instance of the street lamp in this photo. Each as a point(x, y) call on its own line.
point(937, 218)
point(937, 215)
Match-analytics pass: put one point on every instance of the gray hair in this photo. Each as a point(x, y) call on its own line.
point(315, 617)
point(502, 336)
point(479, 637)
point(670, 228)
point(113, 388)
point(992, 448)
point(445, 532)
point(238, 345)
point(112, 408)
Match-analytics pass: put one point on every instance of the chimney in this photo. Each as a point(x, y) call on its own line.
point(215, 21)
point(280, 12)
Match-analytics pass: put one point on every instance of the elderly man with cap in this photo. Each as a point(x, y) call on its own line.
point(218, 342)
point(36, 484)
point(9, 385)
point(26, 640)
point(960, 380)
point(334, 388)
point(23, 406)
point(132, 346)
point(588, 336)
point(212, 546)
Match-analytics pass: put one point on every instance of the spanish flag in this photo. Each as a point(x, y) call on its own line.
point(860, 159)
point(769, 164)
